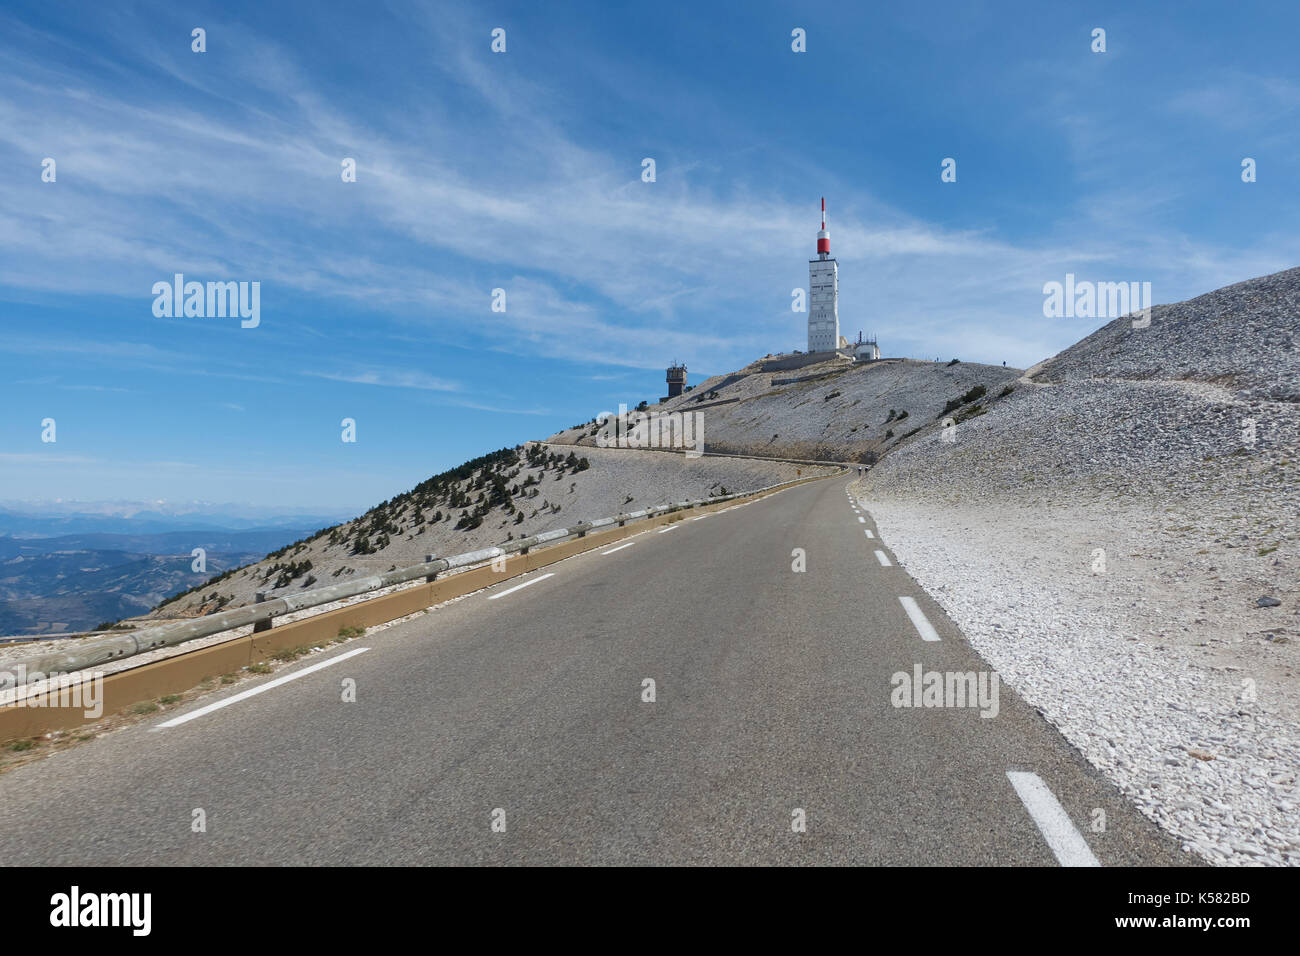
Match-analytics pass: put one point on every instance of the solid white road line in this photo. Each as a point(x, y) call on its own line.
point(867, 532)
point(619, 548)
point(543, 577)
point(254, 691)
point(926, 629)
point(1066, 842)
point(861, 520)
point(883, 559)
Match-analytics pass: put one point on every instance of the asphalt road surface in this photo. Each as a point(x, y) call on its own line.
point(512, 726)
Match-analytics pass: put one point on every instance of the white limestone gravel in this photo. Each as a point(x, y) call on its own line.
point(1103, 537)
point(1108, 661)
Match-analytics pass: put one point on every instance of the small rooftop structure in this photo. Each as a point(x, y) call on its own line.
point(866, 350)
point(676, 381)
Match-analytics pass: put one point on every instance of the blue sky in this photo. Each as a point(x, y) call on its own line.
point(522, 171)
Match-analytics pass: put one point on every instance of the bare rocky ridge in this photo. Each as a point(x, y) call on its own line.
point(1104, 537)
point(834, 410)
point(1242, 336)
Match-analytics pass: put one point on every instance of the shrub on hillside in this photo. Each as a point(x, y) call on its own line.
point(955, 403)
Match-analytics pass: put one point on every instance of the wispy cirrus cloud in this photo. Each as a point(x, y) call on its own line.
point(390, 378)
point(601, 266)
point(501, 409)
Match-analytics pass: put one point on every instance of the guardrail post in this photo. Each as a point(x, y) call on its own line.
point(264, 625)
point(430, 578)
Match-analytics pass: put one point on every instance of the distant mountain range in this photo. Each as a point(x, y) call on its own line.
point(47, 523)
point(73, 582)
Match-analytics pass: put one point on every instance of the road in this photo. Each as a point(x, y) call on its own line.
point(510, 727)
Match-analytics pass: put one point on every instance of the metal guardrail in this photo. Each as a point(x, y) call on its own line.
point(260, 614)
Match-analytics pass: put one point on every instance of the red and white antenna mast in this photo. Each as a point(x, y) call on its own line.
point(823, 237)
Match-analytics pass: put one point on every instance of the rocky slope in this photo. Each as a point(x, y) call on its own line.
point(1242, 337)
point(1118, 537)
point(834, 410)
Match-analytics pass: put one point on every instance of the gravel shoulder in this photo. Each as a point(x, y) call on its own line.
point(1105, 544)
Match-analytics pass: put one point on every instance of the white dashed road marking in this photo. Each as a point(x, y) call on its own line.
point(619, 548)
point(261, 688)
point(883, 559)
point(867, 532)
point(861, 520)
point(666, 530)
point(1066, 842)
point(543, 577)
point(919, 621)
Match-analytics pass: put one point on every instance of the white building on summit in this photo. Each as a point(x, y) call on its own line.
point(824, 295)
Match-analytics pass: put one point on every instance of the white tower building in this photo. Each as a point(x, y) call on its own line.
point(823, 294)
